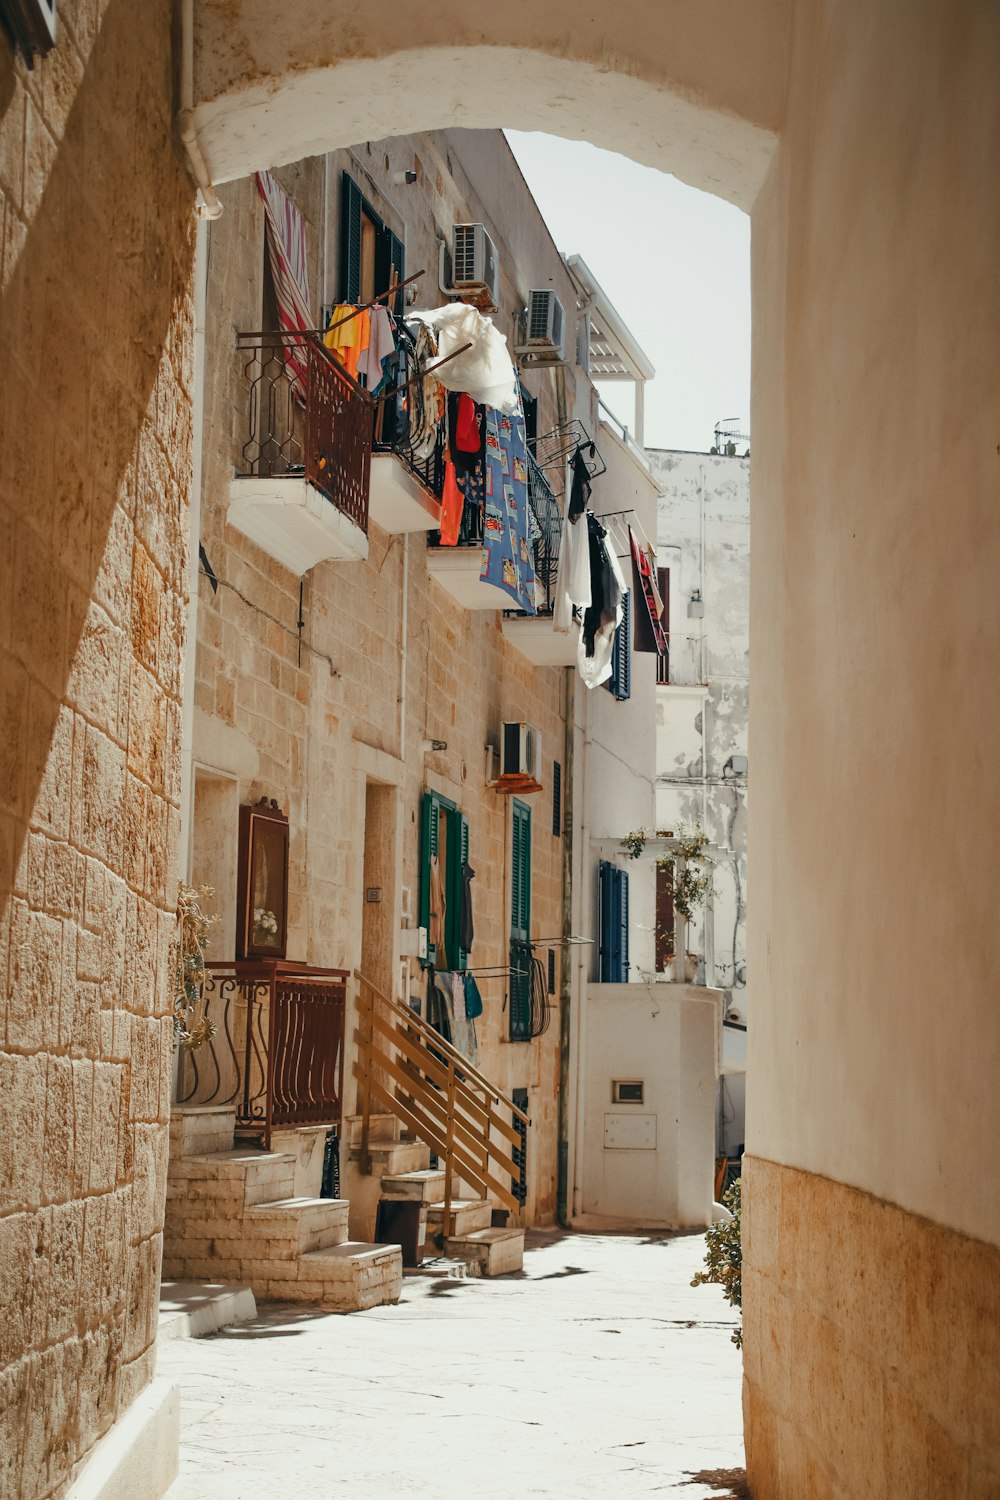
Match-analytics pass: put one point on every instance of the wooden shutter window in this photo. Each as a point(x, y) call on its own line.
point(619, 684)
point(613, 955)
point(556, 799)
point(663, 662)
point(351, 209)
point(390, 256)
point(458, 855)
point(520, 923)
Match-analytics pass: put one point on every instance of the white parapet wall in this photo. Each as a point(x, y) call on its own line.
point(647, 1153)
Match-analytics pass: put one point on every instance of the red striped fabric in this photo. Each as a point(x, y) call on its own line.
point(286, 245)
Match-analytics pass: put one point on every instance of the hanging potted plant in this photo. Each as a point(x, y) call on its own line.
point(691, 885)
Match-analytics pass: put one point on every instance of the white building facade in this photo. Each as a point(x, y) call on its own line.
point(702, 711)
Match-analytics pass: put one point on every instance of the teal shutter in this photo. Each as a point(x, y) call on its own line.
point(430, 812)
point(351, 202)
point(520, 923)
point(458, 855)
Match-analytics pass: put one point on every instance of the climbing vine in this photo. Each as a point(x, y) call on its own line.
point(188, 967)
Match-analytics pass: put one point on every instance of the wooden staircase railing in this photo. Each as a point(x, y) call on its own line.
point(406, 1066)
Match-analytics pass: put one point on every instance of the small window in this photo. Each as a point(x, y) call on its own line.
point(370, 254)
point(628, 1091)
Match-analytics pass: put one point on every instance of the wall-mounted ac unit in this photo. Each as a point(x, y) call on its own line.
point(545, 324)
point(520, 758)
point(475, 262)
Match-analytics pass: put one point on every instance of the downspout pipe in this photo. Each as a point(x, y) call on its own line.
point(194, 538)
point(210, 207)
point(566, 966)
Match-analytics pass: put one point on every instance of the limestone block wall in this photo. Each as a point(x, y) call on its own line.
point(316, 731)
point(95, 435)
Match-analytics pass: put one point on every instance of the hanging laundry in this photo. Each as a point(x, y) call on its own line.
point(647, 631)
point(484, 371)
point(604, 615)
point(286, 249)
point(452, 504)
point(435, 928)
point(466, 929)
point(381, 346)
point(427, 396)
point(573, 584)
point(473, 999)
point(348, 335)
point(579, 493)
point(467, 428)
point(507, 553)
point(451, 1010)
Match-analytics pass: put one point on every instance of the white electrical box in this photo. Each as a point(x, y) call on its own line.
point(629, 1132)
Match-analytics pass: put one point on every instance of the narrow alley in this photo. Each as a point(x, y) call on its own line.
point(597, 1371)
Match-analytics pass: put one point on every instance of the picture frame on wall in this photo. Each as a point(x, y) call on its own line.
point(262, 882)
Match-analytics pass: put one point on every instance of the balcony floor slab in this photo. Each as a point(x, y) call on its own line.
point(293, 522)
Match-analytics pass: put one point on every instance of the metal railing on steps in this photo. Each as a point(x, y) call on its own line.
point(408, 1068)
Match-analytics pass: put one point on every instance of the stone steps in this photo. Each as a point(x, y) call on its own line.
point(380, 1128)
point(421, 1186)
point(467, 1215)
point(234, 1215)
point(488, 1252)
point(393, 1158)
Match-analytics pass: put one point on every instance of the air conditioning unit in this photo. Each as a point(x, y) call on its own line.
point(475, 262)
point(520, 759)
point(546, 322)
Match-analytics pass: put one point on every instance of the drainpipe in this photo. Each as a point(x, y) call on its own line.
point(194, 536)
point(584, 952)
point(210, 207)
point(404, 633)
point(565, 968)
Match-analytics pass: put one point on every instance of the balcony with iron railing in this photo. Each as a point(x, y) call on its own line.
point(318, 456)
point(276, 1050)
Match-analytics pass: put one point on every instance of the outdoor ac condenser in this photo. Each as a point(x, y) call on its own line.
point(545, 324)
point(520, 753)
point(475, 262)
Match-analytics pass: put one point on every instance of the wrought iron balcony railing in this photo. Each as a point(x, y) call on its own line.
point(318, 427)
point(393, 428)
point(277, 1052)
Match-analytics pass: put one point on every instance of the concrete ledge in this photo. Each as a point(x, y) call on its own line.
point(192, 1309)
point(138, 1458)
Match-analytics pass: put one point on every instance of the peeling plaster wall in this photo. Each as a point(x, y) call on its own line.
point(702, 716)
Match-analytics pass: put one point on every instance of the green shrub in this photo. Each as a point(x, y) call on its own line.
point(724, 1256)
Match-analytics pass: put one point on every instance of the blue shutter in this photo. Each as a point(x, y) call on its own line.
point(619, 684)
point(613, 956)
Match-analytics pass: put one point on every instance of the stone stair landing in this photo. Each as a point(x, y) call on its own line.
point(234, 1215)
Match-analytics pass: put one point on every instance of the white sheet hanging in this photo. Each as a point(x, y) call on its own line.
point(485, 372)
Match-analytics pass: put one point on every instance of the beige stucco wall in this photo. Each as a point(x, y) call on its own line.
point(96, 241)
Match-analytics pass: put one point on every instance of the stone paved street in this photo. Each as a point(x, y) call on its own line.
point(598, 1372)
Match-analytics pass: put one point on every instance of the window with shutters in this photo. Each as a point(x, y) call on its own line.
point(444, 854)
point(663, 662)
point(519, 993)
point(613, 952)
point(369, 251)
point(556, 799)
point(619, 684)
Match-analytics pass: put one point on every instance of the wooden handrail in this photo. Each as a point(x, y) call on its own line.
point(440, 1097)
point(441, 1044)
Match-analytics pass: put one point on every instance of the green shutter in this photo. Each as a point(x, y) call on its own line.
point(429, 816)
point(350, 239)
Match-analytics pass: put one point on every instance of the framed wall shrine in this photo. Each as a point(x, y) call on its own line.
point(262, 882)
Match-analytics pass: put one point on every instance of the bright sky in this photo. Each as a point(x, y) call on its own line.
point(676, 264)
